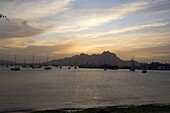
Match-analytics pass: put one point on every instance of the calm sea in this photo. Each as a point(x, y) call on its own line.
point(41, 89)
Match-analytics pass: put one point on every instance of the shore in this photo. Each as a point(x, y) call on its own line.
point(151, 108)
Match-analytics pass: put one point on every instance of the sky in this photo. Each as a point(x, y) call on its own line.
point(63, 28)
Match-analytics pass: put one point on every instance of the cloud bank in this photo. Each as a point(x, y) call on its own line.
point(66, 27)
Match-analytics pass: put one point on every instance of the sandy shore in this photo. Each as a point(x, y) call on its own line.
point(151, 108)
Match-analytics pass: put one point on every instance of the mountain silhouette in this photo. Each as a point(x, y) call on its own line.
point(105, 58)
point(95, 59)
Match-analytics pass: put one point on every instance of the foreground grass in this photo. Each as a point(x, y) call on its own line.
point(118, 109)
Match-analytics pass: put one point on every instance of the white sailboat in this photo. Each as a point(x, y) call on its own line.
point(47, 67)
point(15, 68)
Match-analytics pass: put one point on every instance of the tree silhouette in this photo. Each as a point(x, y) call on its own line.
point(3, 16)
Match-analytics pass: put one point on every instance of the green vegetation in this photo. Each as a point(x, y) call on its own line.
point(119, 109)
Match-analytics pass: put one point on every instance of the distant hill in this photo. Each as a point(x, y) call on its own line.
point(95, 59)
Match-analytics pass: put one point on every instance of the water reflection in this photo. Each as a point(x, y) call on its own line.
point(81, 88)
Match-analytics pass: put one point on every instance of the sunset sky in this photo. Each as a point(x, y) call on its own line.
point(63, 28)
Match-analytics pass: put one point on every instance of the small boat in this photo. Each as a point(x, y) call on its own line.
point(69, 67)
point(36, 66)
point(144, 71)
point(15, 69)
point(105, 69)
point(24, 65)
point(55, 65)
point(47, 68)
point(75, 65)
point(60, 65)
point(132, 68)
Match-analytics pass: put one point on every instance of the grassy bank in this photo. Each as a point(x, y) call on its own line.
point(118, 109)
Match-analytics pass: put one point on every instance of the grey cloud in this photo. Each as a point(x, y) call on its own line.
point(158, 52)
point(37, 51)
point(7, 0)
point(19, 29)
point(155, 50)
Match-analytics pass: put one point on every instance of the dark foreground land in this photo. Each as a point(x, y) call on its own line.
point(116, 109)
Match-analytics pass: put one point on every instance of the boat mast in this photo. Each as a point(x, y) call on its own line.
point(24, 61)
point(99, 60)
point(15, 60)
point(33, 60)
point(47, 59)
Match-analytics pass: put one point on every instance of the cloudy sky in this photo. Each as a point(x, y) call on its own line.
point(62, 28)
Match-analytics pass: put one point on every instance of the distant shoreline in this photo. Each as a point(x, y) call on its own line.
point(148, 108)
point(144, 108)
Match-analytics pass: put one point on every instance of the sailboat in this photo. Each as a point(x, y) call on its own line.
point(105, 65)
point(75, 67)
point(47, 67)
point(24, 65)
point(132, 68)
point(105, 69)
point(15, 68)
point(144, 67)
point(32, 65)
point(69, 67)
point(60, 64)
point(144, 70)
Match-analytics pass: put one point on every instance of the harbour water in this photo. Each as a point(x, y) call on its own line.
point(41, 89)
